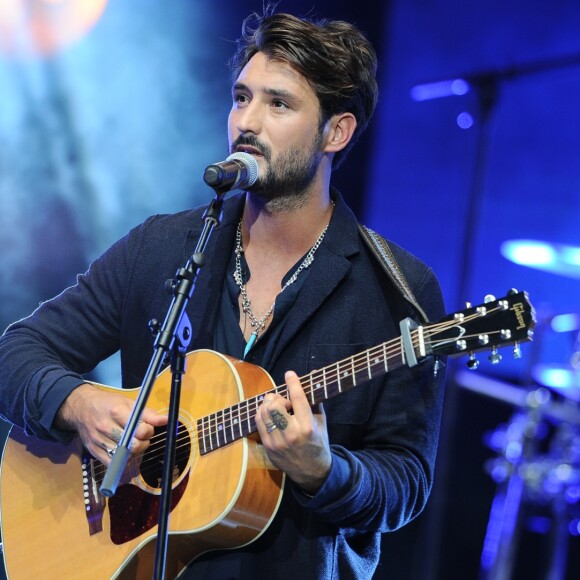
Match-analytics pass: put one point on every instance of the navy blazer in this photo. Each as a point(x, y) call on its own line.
point(383, 434)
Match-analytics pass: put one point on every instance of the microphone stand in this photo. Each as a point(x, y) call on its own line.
point(174, 336)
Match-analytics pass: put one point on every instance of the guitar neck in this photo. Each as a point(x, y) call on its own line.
point(232, 423)
point(340, 377)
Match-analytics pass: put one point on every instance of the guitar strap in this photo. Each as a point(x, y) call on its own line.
point(384, 255)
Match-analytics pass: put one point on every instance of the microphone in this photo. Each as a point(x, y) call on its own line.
point(238, 171)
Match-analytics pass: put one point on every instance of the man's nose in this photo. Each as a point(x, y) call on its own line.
point(249, 119)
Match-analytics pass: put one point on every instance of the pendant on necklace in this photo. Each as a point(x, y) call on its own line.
point(250, 343)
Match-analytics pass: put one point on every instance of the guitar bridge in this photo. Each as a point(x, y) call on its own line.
point(92, 471)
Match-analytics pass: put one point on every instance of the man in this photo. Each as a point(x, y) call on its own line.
point(289, 285)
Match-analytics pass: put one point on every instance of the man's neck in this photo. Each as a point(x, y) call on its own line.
point(289, 231)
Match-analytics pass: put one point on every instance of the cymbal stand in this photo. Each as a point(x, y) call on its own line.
point(563, 484)
point(524, 475)
point(503, 531)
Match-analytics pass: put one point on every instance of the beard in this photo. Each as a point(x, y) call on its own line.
point(286, 183)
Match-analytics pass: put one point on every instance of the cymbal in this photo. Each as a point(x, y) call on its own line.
point(562, 379)
point(519, 397)
point(554, 258)
point(565, 322)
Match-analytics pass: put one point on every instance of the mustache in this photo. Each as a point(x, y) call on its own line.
point(251, 141)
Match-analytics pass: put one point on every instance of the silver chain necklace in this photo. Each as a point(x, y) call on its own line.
point(260, 325)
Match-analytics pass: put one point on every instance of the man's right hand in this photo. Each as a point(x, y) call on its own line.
point(99, 417)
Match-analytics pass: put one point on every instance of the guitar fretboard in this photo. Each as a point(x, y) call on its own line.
point(239, 420)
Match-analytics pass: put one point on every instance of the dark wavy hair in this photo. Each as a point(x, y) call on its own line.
point(334, 56)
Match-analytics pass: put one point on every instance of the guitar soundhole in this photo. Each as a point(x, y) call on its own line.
point(134, 511)
point(152, 461)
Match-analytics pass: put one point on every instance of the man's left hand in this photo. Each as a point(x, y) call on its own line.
point(295, 438)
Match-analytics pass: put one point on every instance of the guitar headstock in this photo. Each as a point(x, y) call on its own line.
point(494, 324)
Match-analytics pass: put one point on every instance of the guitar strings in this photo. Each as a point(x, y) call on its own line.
point(330, 374)
point(212, 427)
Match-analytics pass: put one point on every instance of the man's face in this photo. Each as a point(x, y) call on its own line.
point(275, 117)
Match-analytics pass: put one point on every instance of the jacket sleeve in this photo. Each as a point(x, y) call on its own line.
point(43, 356)
point(382, 470)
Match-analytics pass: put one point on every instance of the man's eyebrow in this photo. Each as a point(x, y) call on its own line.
point(279, 93)
point(239, 87)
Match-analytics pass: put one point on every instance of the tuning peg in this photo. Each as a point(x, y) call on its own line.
point(494, 357)
point(472, 362)
point(512, 291)
point(517, 351)
point(489, 298)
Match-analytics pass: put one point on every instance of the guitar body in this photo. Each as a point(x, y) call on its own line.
point(222, 499)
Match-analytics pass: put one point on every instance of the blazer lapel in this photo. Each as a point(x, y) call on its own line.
point(331, 265)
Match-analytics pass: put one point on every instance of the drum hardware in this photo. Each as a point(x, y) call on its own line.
point(537, 465)
point(528, 475)
point(517, 442)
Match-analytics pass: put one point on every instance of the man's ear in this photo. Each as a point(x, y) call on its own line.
point(340, 129)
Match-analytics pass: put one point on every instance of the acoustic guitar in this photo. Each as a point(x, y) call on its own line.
point(225, 493)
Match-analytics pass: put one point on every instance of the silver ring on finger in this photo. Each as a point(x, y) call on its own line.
point(111, 452)
point(278, 420)
point(271, 427)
